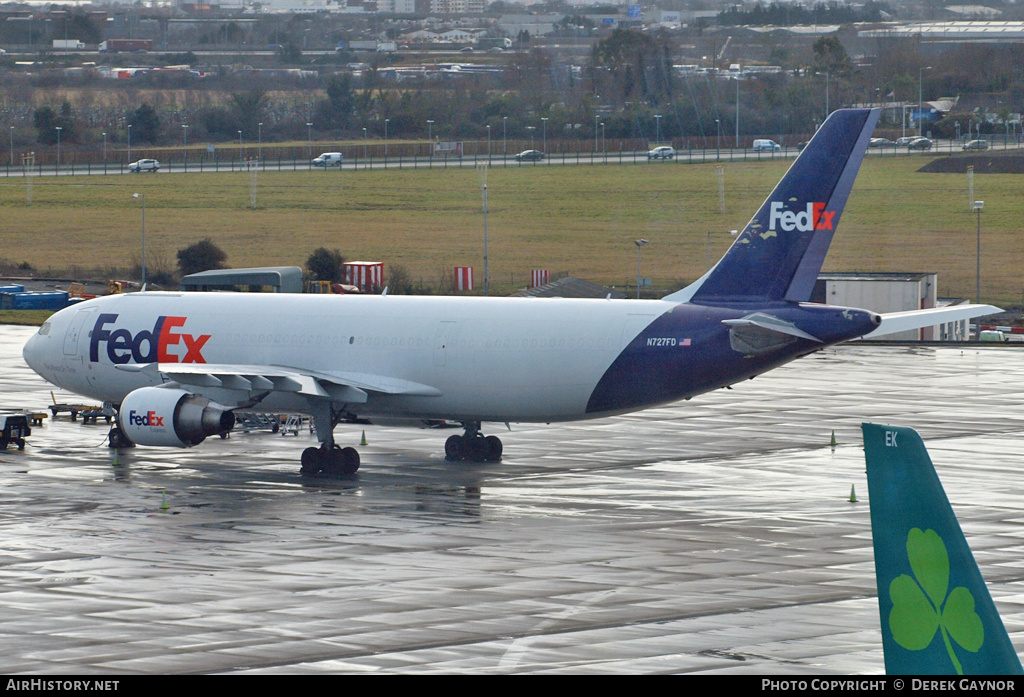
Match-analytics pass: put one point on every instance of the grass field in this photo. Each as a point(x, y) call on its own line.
point(577, 219)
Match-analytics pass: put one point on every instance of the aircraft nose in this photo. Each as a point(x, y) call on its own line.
point(30, 352)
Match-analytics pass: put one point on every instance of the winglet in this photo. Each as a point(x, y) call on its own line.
point(936, 612)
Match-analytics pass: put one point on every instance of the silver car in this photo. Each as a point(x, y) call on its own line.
point(662, 152)
point(144, 166)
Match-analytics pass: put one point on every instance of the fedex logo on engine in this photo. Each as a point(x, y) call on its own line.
point(148, 419)
point(815, 217)
point(147, 346)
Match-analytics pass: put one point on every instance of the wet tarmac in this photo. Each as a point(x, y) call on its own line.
point(712, 536)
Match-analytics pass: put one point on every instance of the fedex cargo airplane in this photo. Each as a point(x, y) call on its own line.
point(179, 365)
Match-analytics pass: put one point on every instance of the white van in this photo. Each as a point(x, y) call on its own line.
point(766, 145)
point(328, 159)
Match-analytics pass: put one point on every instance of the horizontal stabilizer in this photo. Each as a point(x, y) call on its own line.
point(894, 322)
point(765, 321)
point(936, 613)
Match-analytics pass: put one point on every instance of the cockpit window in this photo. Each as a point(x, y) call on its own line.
point(45, 329)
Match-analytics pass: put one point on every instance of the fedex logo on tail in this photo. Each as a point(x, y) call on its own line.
point(815, 217)
point(163, 344)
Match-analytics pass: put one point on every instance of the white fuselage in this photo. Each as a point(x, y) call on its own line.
point(494, 359)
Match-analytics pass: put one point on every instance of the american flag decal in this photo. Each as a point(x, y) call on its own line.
point(684, 342)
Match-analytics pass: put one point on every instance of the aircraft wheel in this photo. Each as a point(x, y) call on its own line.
point(477, 449)
point(454, 448)
point(494, 448)
point(311, 462)
point(117, 439)
point(350, 460)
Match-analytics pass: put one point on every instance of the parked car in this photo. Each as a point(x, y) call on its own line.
point(770, 145)
point(328, 159)
point(905, 141)
point(920, 143)
point(881, 143)
point(530, 156)
point(144, 166)
point(976, 145)
point(801, 145)
point(662, 152)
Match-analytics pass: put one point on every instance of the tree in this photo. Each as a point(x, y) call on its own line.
point(201, 256)
point(325, 265)
point(79, 25)
point(47, 121)
point(145, 124)
point(341, 104)
point(248, 108)
point(830, 55)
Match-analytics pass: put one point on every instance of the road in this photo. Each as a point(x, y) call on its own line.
point(355, 162)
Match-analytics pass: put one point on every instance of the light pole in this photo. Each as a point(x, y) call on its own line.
point(241, 157)
point(738, 112)
point(259, 140)
point(828, 105)
point(104, 146)
point(978, 205)
point(366, 144)
point(309, 139)
point(531, 129)
point(129, 142)
point(544, 130)
point(920, 78)
point(718, 147)
point(386, 138)
point(504, 136)
point(59, 129)
point(430, 135)
point(657, 122)
point(604, 142)
point(639, 245)
point(597, 119)
point(143, 197)
point(12, 146)
point(184, 140)
point(488, 146)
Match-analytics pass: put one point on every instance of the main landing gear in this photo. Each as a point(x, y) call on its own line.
point(473, 445)
point(329, 459)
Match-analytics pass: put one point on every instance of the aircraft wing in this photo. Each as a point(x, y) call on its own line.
point(894, 322)
point(339, 386)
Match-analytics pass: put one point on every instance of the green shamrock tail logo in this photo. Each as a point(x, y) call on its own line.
point(921, 607)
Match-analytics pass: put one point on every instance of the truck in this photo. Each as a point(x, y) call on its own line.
point(378, 46)
point(126, 45)
point(68, 44)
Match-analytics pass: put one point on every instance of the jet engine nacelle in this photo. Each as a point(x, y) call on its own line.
point(163, 416)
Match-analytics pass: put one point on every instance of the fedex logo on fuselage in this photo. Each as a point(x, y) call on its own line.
point(148, 419)
point(815, 217)
point(147, 346)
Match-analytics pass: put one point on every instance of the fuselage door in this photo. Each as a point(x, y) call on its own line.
point(442, 342)
point(634, 325)
point(75, 329)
